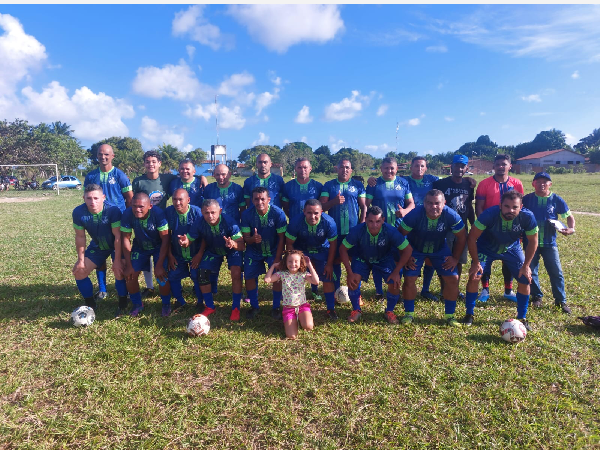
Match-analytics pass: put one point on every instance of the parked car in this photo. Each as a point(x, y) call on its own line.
point(65, 182)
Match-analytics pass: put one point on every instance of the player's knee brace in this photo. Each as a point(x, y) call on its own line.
point(203, 277)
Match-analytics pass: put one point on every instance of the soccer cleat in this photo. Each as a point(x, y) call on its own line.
point(166, 310)
point(235, 314)
point(354, 315)
point(484, 295)
point(536, 301)
point(429, 296)
point(89, 301)
point(468, 320)
point(461, 296)
point(564, 307)
point(452, 322)
point(379, 298)
point(276, 313)
point(100, 295)
point(252, 313)
point(408, 319)
point(147, 293)
point(510, 295)
point(391, 317)
point(207, 311)
point(331, 314)
point(178, 307)
point(525, 323)
point(119, 312)
point(136, 310)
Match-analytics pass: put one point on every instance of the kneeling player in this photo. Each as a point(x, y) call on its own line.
point(374, 243)
point(426, 227)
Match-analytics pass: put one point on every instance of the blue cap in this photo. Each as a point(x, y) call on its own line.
point(541, 175)
point(460, 159)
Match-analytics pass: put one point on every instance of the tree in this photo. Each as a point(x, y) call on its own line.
point(198, 156)
point(232, 164)
point(549, 140)
point(323, 164)
point(170, 157)
point(483, 148)
point(323, 150)
point(248, 156)
point(291, 152)
point(594, 155)
point(360, 161)
point(589, 142)
point(129, 156)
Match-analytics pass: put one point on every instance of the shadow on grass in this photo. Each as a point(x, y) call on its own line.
point(582, 329)
point(486, 338)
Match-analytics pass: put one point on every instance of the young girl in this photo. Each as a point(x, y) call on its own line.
point(292, 272)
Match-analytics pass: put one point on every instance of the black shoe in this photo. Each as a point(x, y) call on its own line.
point(89, 301)
point(564, 307)
point(122, 309)
point(525, 323)
point(468, 320)
point(147, 293)
point(252, 313)
point(200, 307)
point(178, 307)
point(537, 302)
point(275, 314)
point(100, 295)
point(331, 314)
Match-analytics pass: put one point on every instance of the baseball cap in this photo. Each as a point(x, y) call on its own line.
point(541, 175)
point(460, 159)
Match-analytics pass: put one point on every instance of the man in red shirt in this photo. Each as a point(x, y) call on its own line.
point(488, 194)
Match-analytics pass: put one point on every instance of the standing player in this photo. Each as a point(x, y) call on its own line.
point(229, 195)
point(344, 199)
point(102, 222)
point(298, 190)
point(547, 206)
point(263, 177)
point(374, 243)
point(151, 241)
point(315, 233)
point(426, 227)
point(221, 237)
point(180, 217)
point(495, 235)
point(263, 228)
point(488, 194)
point(117, 189)
point(188, 181)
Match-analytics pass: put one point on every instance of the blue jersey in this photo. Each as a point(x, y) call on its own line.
point(418, 188)
point(214, 235)
point(146, 231)
point(374, 249)
point(268, 226)
point(230, 198)
point(194, 189)
point(114, 184)
point(500, 235)
point(544, 208)
point(429, 235)
point(388, 195)
point(274, 183)
point(312, 239)
point(297, 194)
point(99, 226)
point(179, 225)
point(346, 215)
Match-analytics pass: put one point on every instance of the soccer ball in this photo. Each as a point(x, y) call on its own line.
point(513, 331)
point(341, 295)
point(199, 325)
point(83, 316)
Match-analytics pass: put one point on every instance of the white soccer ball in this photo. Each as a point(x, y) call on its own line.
point(83, 316)
point(199, 325)
point(341, 295)
point(513, 331)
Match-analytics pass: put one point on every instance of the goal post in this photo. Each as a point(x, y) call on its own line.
point(38, 165)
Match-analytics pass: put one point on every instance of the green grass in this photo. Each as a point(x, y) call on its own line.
point(141, 383)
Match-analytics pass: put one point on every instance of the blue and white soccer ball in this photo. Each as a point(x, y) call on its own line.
point(199, 325)
point(513, 331)
point(83, 316)
point(341, 295)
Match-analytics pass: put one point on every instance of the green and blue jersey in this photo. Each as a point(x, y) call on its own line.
point(313, 240)
point(419, 188)
point(179, 225)
point(346, 215)
point(268, 226)
point(500, 235)
point(378, 248)
point(387, 195)
point(297, 194)
point(230, 198)
point(274, 183)
point(214, 234)
point(114, 184)
point(146, 231)
point(544, 208)
point(98, 226)
point(194, 189)
point(429, 235)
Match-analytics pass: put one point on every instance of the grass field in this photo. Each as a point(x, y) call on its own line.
point(141, 383)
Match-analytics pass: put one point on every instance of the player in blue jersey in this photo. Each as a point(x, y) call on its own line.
point(229, 195)
point(117, 189)
point(263, 177)
point(221, 237)
point(263, 228)
point(297, 191)
point(495, 235)
point(102, 221)
point(547, 206)
point(426, 227)
point(180, 217)
point(151, 240)
point(374, 244)
point(344, 199)
point(188, 181)
point(315, 233)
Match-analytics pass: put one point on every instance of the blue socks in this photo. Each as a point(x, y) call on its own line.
point(101, 274)
point(177, 292)
point(214, 279)
point(277, 299)
point(208, 300)
point(470, 300)
point(237, 299)
point(392, 300)
point(337, 276)
point(121, 288)
point(378, 281)
point(449, 307)
point(330, 300)
point(428, 272)
point(354, 297)
point(522, 305)
point(409, 306)
point(166, 299)
point(136, 299)
point(253, 296)
point(85, 287)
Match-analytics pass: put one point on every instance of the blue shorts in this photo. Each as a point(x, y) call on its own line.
point(383, 268)
point(437, 259)
point(254, 265)
point(513, 258)
point(213, 262)
point(140, 259)
point(319, 265)
point(98, 256)
point(183, 270)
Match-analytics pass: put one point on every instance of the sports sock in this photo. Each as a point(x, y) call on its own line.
point(121, 288)
point(101, 274)
point(392, 300)
point(166, 299)
point(378, 281)
point(337, 276)
point(177, 291)
point(136, 299)
point(123, 302)
point(214, 279)
point(409, 306)
point(470, 300)
point(237, 299)
point(277, 299)
point(449, 307)
point(208, 300)
point(354, 297)
point(330, 300)
point(314, 288)
point(428, 272)
point(253, 296)
point(148, 279)
point(85, 287)
point(522, 305)
point(197, 290)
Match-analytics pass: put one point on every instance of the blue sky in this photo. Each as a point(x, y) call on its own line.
point(340, 75)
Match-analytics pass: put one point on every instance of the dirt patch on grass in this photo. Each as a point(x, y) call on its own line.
point(22, 199)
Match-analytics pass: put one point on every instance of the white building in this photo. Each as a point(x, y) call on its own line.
point(554, 158)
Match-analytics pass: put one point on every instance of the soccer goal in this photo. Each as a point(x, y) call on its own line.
point(13, 166)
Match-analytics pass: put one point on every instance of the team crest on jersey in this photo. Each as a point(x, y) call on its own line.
point(156, 197)
point(312, 191)
point(381, 243)
point(398, 187)
point(517, 227)
point(112, 181)
point(321, 233)
point(441, 227)
point(150, 226)
point(272, 186)
point(550, 209)
point(351, 189)
point(271, 223)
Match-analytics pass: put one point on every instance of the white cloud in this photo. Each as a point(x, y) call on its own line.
point(304, 115)
point(575, 75)
point(382, 110)
point(346, 109)
point(532, 98)
point(303, 139)
point(177, 82)
point(390, 38)
point(235, 84)
point(570, 139)
point(274, 78)
point(449, 119)
point(278, 27)
point(375, 148)
point(262, 139)
point(188, 148)
point(156, 134)
point(141, 107)
point(414, 122)
point(336, 144)
point(191, 50)
point(436, 49)
point(192, 24)
point(265, 99)
point(229, 117)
